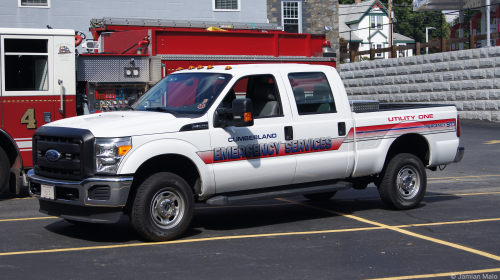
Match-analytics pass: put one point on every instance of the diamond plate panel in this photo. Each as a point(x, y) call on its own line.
point(111, 69)
point(155, 69)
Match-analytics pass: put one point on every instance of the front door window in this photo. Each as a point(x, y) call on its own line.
point(26, 64)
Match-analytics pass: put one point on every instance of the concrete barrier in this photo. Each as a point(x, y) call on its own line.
point(469, 79)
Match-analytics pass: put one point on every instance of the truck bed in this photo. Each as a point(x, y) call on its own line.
point(367, 106)
point(376, 129)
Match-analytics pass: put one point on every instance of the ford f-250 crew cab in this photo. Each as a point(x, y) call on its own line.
point(222, 135)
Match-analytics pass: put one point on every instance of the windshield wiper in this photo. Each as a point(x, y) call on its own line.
point(161, 109)
point(131, 108)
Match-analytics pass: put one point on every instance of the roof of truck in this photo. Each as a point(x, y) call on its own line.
point(238, 68)
point(37, 31)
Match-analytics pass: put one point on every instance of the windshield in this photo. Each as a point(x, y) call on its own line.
point(186, 93)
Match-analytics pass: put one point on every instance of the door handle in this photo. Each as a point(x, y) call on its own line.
point(288, 133)
point(341, 127)
point(60, 83)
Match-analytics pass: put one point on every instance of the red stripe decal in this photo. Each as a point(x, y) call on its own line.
point(273, 149)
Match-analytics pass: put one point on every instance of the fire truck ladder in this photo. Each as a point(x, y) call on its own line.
point(108, 22)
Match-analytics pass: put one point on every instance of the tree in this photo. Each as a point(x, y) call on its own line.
point(413, 24)
point(437, 49)
point(468, 14)
point(343, 49)
point(343, 45)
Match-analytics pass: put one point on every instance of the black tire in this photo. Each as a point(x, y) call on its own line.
point(404, 182)
point(320, 196)
point(4, 170)
point(163, 207)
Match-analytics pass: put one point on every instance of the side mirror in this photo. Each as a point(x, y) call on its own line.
point(242, 114)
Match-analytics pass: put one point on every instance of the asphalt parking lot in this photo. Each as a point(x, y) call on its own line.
point(453, 234)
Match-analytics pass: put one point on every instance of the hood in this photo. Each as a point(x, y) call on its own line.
point(125, 123)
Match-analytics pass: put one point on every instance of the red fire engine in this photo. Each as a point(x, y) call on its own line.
point(126, 57)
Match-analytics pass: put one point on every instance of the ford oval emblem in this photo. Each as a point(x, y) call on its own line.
point(52, 155)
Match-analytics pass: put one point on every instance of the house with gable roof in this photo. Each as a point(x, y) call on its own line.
point(365, 25)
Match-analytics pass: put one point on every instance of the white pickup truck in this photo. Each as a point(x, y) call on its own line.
point(221, 135)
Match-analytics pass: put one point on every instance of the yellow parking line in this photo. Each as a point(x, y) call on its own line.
point(26, 219)
point(463, 177)
point(450, 223)
point(442, 242)
point(461, 194)
point(456, 274)
point(187, 241)
point(16, 198)
point(230, 237)
point(451, 194)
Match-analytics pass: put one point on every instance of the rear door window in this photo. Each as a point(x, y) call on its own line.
point(312, 93)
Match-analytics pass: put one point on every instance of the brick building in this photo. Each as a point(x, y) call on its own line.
point(307, 16)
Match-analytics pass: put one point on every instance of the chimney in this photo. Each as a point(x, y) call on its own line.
point(357, 1)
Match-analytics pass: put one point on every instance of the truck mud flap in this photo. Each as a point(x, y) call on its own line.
point(268, 193)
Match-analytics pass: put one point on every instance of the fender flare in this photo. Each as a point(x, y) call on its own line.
point(138, 156)
point(14, 146)
point(385, 145)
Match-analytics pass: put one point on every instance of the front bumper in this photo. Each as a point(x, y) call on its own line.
point(75, 200)
point(460, 154)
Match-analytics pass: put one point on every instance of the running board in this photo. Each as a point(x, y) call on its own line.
point(274, 193)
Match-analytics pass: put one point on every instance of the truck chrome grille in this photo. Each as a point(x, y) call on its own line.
point(63, 156)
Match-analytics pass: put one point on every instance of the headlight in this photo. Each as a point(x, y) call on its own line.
point(109, 153)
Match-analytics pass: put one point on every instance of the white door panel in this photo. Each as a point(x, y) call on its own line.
point(253, 157)
point(333, 161)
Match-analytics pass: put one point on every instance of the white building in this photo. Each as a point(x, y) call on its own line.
point(365, 25)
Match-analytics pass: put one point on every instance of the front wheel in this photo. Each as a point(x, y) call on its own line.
point(404, 182)
point(4, 170)
point(163, 207)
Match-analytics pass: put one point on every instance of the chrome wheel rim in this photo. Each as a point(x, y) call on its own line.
point(167, 208)
point(408, 182)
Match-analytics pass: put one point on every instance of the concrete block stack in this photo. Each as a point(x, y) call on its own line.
point(469, 79)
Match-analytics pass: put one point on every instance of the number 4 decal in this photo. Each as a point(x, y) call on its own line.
point(29, 119)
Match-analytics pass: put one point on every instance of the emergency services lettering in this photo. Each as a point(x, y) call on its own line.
point(271, 149)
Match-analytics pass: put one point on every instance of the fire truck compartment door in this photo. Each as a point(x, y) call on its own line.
point(28, 89)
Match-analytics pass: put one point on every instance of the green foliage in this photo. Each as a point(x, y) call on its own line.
point(468, 14)
point(413, 24)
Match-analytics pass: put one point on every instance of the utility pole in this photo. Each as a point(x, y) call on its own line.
point(390, 28)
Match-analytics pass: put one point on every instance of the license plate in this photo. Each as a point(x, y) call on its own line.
point(48, 192)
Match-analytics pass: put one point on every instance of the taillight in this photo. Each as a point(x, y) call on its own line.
point(327, 44)
point(458, 126)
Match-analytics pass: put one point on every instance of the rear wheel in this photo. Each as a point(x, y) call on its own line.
point(163, 207)
point(404, 182)
point(320, 196)
point(4, 170)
